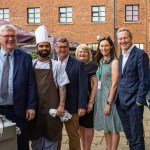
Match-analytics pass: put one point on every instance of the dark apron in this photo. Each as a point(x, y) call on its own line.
point(44, 124)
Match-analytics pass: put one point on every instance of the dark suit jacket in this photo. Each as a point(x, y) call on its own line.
point(24, 85)
point(134, 82)
point(77, 89)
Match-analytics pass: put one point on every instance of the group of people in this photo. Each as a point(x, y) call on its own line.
point(105, 94)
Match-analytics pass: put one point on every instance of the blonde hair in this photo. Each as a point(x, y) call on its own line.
point(83, 47)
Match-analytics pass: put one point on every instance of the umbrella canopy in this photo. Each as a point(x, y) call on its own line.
point(26, 38)
point(52, 40)
point(23, 36)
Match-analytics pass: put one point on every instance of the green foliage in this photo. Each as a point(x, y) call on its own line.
point(33, 54)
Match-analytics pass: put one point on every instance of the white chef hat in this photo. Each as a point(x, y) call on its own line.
point(41, 34)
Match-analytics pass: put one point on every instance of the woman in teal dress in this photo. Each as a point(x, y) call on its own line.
point(105, 114)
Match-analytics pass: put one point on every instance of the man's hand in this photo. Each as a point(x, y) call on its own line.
point(60, 110)
point(81, 112)
point(30, 114)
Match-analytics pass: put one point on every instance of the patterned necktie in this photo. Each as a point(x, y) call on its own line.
point(5, 77)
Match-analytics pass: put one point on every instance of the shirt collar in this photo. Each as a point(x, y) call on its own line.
point(4, 52)
point(64, 61)
point(125, 53)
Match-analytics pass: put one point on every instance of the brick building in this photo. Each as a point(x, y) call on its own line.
point(82, 20)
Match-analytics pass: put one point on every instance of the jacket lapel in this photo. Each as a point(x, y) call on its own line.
point(131, 55)
point(16, 61)
point(69, 64)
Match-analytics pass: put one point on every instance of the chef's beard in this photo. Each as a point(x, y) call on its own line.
point(43, 53)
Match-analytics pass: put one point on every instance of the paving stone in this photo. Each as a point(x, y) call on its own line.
point(99, 140)
point(122, 147)
point(146, 128)
point(64, 140)
point(147, 133)
point(147, 141)
point(147, 148)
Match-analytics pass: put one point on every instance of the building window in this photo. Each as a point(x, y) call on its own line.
point(98, 14)
point(93, 46)
point(33, 15)
point(138, 45)
point(65, 14)
point(4, 13)
point(132, 13)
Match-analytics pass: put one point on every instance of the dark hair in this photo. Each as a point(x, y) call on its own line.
point(62, 40)
point(99, 55)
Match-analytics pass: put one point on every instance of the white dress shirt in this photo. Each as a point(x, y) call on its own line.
point(125, 56)
point(63, 63)
point(9, 100)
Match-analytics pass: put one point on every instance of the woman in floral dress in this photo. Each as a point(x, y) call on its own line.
point(105, 114)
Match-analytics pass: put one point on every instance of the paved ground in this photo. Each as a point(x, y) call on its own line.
point(99, 142)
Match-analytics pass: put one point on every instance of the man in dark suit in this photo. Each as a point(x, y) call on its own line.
point(133, 85)
point(18, 92)
point(76, 91)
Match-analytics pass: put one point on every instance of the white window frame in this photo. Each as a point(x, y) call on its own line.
point(92, 46)
point(33, 15)
point(132, 13)
point(65, 14)
point(139, 45)
point(98, 13)
point(4, 13)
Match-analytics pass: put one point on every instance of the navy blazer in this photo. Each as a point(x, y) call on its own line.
point(24, 85)
point(77, 89)
point(134, 82)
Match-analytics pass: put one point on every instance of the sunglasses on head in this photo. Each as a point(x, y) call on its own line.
point(104, 38)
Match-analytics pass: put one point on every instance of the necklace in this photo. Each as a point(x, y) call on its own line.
point(105, 60)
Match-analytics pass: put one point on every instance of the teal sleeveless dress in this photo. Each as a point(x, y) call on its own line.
point(112, 121)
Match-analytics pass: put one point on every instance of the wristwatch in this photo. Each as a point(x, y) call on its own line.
point(108, 103)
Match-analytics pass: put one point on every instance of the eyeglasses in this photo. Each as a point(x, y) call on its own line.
point(7, 37)
point(62, 47)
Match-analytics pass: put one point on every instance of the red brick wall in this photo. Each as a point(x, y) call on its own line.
point(148, 28)
point(18, 12)
point(82, 29)
point(138, 29)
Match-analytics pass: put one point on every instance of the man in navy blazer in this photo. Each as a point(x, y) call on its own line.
point(19, 104)
point(76, 91)
point(133, 85)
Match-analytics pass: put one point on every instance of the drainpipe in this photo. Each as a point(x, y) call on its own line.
point(115, 25)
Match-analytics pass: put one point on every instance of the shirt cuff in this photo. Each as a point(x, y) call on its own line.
point(138, 104)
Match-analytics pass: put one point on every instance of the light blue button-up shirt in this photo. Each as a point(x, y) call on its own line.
point(9, 100)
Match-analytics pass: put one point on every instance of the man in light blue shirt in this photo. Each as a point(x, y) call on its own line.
point(18, 96)
point(9, 100)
